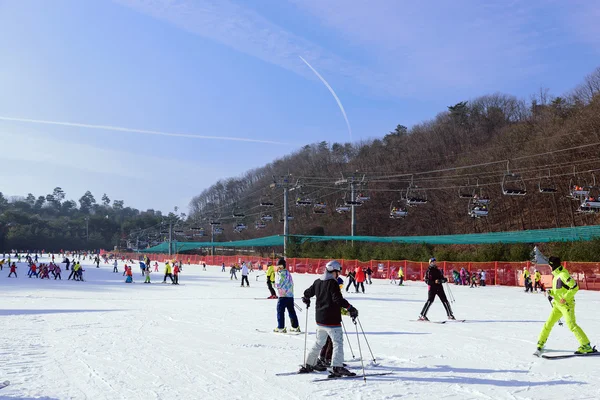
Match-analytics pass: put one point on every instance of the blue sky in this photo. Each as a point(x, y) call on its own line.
point(231, 68)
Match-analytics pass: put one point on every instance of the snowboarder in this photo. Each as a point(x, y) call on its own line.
point(270, 275)
point(245, 274)
point(435, 279)
point(329, 320)
point(563, 293)
point(285, 289)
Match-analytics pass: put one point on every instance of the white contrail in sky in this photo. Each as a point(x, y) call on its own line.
point(131, 130)
point(332, 93)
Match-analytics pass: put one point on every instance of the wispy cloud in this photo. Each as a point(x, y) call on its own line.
point(399, 48)
point(132, 130)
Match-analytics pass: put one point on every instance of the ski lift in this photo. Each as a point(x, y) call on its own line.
point(260, 225)
point(266, 218)
point(214, 223)
point(362, 197)
point(546, 185)
point(238, 215)
point(464, 192)
point(290, 217)
point(415, 196)
point(320, 208)
point(397, 212)
point(479, 196)
point(217, 231)
point(578, 192)
point(240, 226)
point(303, 201)
point(512, 184)
point(341, 206)
point(476, 209)
point(266, 202)
point(355, 203)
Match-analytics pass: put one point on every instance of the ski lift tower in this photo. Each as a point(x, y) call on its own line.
point(284, 182)
point(352, 181)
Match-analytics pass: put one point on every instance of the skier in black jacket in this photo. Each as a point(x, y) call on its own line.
point(434, 278)
point(329, 320)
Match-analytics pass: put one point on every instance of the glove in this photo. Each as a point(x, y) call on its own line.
point(306, 301)
point(444, 280)
point(353, 312)
point(550, 298)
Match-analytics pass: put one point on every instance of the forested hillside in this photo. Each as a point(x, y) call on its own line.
point(52, 222)
point(473, 147)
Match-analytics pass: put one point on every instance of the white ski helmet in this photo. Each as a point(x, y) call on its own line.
point(333, 265)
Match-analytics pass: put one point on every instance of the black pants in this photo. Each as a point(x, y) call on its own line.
point(537, 285)
point(270, 286)
point(401, 279)
point(245, 278)
point(482, 282)
point(351, 281)
point(360, 285)
point(175, 279)
point(170, 276)
point(71, 274)
point(57, 276)
point(115, 269)
point(12, 273)
point(327, 351)
point(436, 290)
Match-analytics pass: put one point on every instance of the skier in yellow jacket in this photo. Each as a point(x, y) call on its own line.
point(563, 293)
point(270, 281)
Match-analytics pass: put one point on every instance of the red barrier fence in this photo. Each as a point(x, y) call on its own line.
point(498, 272)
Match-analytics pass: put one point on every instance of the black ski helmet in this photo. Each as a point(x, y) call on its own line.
point(554, 262)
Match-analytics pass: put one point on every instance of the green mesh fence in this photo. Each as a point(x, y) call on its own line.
point(529, 236)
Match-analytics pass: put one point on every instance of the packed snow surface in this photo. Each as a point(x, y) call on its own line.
point(104, 339)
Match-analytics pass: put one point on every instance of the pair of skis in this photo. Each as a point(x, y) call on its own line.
point(439, 322)
point(540, 353)
point(334, 377)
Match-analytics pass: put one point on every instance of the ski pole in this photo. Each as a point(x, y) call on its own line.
point(348, 339)
point(297, 307)
point(369, 346)
point(359, 350)
point(452, 299)
point(552, 305)
point(305, 337)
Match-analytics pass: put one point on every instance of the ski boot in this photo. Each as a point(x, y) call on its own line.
point(306, 369)
point(278, 330)
point(337, 372)
point(451, 316)
point(296, 329)
point(586, 349)
point(423, 318)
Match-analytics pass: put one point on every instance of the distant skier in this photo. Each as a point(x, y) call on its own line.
point(360, 279)
point(563, 291)
point(329, 320)
point(245, 274)
point(482, 276)
point(435, 279)
point(168, 273)
point(285, 289)
point(176, 271)
point(13, 270)
point(527, 280)
point(537, 277)
point(351, 281)
point(369, 272)
point(232, 272)
point(115, 264)
point(147, 280)
point(270, 275)
point(129, 276)
point(223, 267)
point(57, 272)
point(203, 266)
point(155, 266)
point(401, 277)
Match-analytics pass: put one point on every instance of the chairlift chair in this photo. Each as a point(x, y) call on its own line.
point(266, 218)
point(217, 231)
point(415, 196)
point(290, 217)
point(260, 225)
point(320, 208)
point(303, 201)
point(240, 226)
point(464, 192)
point(266, 202)
point(355, 203)
point(397, 212)
point(513, 185)
point(476, 209)
point(546, 185)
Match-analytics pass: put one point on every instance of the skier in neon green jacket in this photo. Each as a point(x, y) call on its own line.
point(563, 293)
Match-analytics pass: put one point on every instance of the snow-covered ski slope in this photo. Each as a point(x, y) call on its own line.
point(104, 339)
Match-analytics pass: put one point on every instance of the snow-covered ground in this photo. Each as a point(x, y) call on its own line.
point(104, 339)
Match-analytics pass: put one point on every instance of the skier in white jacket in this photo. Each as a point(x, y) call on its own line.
point(245, 274)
